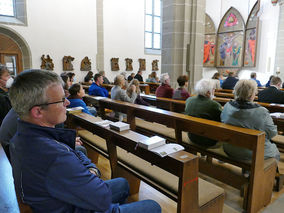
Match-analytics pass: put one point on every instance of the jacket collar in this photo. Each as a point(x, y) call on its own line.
point(243, 104)
point(66, 136)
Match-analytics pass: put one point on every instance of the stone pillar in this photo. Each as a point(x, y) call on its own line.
point(279, 60)
point(100, 36)
point(182, 39)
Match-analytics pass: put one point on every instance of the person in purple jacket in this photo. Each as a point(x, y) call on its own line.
point(76, 99)
point(49, 175)
point(96, 88)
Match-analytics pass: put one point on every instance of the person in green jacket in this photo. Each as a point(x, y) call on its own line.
point(202, 106)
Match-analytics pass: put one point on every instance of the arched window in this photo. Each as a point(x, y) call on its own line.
point(209, 43)
point(251, 37)
point(153, 26)
point(13, 12)
point(230, 40)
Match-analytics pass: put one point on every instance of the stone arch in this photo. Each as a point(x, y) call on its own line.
point(23, 45)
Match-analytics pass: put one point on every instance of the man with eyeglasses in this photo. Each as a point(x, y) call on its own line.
point(49, 175)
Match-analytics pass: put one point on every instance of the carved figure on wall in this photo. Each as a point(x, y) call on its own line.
point(86, 64)
point(46, 63)
point(114, 64)
point(142, 64)
point(129, 66)
point(67, 63)
point(155, 65)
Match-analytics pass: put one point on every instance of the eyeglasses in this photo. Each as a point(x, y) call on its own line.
point(46, 104)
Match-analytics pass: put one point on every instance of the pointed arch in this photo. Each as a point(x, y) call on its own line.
point(209, 42)
point(230, 40)
point(251, 33)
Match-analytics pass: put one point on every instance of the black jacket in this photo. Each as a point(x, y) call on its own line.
point(229, 83)
point(5, 105)
point(271, 95)
point(139, 77)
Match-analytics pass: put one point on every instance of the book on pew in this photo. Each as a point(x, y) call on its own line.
point(158, 145)
point(277, 115)
point(152, 142)
point(104, 123)
point(74, 110)
point(119, 126)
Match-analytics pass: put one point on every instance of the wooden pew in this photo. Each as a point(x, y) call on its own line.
point(153, 86)
point(228, 95)
point(258, 188)
point(176, 174)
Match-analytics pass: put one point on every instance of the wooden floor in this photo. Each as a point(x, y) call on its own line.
point(233, 201)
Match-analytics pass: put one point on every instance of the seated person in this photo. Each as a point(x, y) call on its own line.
point(153, 78)
point(216, 79)
point(181, 93)
point(130, 77)
point(230, 81)
point(117, 93)
point(106, 81)
point(253, 77)
point(71, 76)
point(138, 76)
point(272, 94)
point(243, 112)
point(96, 88)
point(89, 77)
point(165, 90)
point(138, 99)
point(268, 82)
point(5, 83)
point(49, 175)
point(76, 99)
point(66, 83)
point(202, 106)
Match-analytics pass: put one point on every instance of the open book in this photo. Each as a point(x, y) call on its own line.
point(158, 145)
point(104, 123)
point(74, 110)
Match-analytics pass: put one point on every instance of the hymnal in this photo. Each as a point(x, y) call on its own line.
point(119, 126)
point(74, 110)
point(152, 142)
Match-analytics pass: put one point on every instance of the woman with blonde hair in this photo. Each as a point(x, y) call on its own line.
point(129, 92)
point(243, 112)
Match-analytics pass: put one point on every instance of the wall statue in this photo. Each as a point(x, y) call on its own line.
point(155, 66)
point(67, 63)
point(86, 64)
point(142, 64)
point(129, 66)
point(114, 64)
point(46, 63)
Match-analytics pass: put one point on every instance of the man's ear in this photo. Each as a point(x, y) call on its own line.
point(36, 112)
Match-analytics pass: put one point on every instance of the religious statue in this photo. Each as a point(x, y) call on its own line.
point(114, 64)
point(155, 65)
point(142, 64)
point(129, 66)
point(86, 64)
point(67, 63)
point(46, 63)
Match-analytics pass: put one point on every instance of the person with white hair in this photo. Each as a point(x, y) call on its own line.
point(165, 90)
point(243, 112)
point(202, 106)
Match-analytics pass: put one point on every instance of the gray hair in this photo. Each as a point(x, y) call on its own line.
point(164, 77)
point(204, 86)
point(275, 80)
point(245, 89)
point(118, 79)
point(29, 89)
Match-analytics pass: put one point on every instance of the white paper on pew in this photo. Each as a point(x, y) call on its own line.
point(167, 149)
point(277, 115)
point(98, 97)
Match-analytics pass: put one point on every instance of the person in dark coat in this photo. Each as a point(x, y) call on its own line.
point(272, 94)
point(138, 76)
point(230, 81)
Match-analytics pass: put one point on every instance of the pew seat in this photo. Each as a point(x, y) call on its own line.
point(207, 192)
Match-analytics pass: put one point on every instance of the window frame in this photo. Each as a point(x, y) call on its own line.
point(153, 50)
point(20, 14)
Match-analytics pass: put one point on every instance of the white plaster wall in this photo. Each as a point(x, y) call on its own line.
point(267, 36)
point(124, 36)
point(59, 28)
